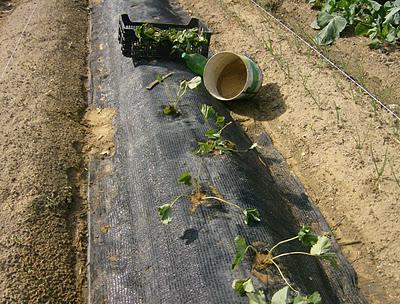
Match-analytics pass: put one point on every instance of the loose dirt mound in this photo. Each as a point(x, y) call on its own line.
point(100, 138)
point(42, 254)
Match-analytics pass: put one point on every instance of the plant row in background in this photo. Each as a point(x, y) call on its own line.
point(199, 193)
point(378, 20)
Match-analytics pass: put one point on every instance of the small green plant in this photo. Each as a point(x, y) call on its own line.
point(360, 141)
point(208, 112)
point(396, 130)
point(374, 106)
point(314, 96)
point(185, 178)
point(172, 107)
point(338, 120)
point(278, 57)
point(397, 180)
point(202, 194)
point(320, 247)
point(215, 143)
point(379, 170)
point(19, 240)
point(244, 287)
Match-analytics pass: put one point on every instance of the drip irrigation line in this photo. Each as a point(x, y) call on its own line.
point(321, 55)
point(10, 60)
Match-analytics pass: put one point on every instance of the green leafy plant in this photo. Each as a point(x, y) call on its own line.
point(379, 22)
point(208, 112)
point(244, 287)
point(202, 194)
point(320, 247)
point(172, 107)
point(187, 40)
point(215, 143)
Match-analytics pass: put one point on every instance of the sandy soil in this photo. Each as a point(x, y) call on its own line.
point(99, 139)
point(330, 134)
point(42, 94)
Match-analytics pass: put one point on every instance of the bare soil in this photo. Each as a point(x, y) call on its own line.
point(343, 148)
point(42, 205)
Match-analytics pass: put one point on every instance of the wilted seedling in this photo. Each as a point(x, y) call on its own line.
point(320, 247)
point(208, 112)
point(172, 107)
point(203, 195)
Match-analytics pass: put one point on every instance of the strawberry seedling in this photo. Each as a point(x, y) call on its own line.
point(215, 144)
point(320, 247)
point(203, 194)
point(172, 107)
point(244, 287)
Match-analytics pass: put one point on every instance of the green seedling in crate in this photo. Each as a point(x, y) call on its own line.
point(186, 40)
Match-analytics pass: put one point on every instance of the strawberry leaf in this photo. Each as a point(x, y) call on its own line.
point(307, 237)
point(185, 178)
point(165, 212)
point(243, 286)
point(281, 296)
point(241, 249)
point(257, 297)
point(315, 298)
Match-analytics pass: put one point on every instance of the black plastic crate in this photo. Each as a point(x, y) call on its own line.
point(145, 50)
